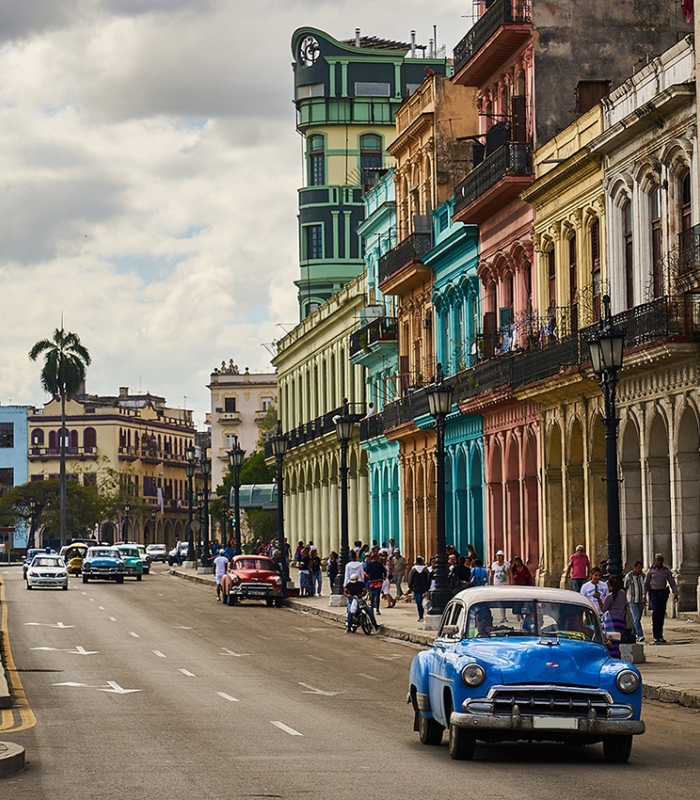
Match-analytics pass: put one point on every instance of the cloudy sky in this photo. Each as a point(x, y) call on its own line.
point(149, 169)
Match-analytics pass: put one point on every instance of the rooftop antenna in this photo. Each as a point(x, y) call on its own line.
point(357, 37)
point(413, 44)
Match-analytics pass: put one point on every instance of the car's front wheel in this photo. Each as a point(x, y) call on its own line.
point(29, 586)
point(232, 599)
point(278, 602)
point(269, 601)
point(461, 744)
point(138, 577)
point(85, 578)
point(120, 579)
point(64, 587)
point(429, 730)
point(617, 749)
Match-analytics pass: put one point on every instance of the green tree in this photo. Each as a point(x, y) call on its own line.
point(63, 373)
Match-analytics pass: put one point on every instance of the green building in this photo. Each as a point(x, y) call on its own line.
point(346, 96)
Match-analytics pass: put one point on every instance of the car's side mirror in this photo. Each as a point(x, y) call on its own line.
point(612, 636)
point(449, 631)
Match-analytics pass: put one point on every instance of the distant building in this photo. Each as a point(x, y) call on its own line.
point(134, 439)
point(239, 404)
point(13, 461)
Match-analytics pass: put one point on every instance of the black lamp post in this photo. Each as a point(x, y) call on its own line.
point(344, 425)
point(205, 467)
point(125, 530)
point(280, 445)
point(154, 515)
point(440, 405)
point(32, 514)
point(189, 471)
point(236, 455)
point(607, 350)
point(224, 521)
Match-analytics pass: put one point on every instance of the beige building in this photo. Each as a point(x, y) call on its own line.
point(134, 440)
point(239, 404)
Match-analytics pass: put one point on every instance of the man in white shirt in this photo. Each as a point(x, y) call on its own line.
point(220, 566)
point(353, 567)
point(500, 570)
point(596, 590)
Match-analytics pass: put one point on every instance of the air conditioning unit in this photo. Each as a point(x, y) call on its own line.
point(427, 322)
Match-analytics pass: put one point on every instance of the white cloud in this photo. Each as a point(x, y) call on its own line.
point(149, 170)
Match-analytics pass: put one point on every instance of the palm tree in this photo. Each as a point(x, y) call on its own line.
point(65, 365)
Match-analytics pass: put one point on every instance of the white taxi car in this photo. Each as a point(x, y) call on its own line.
point(49, 570)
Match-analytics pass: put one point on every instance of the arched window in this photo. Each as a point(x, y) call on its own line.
point(53, 440)
point(573, 284)
point(89, 438)
point(370, 158)
point(317, 161)
point(38, 437)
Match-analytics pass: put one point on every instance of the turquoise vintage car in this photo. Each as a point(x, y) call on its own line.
point(133, 565)
point(524, 663)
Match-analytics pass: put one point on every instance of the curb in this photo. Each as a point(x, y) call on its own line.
point(651, 691)
point(11, 759)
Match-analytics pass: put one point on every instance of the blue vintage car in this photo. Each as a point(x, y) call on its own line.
point(103, 563)
point(523, 663)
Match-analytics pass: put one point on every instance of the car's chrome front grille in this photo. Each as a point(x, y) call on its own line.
point(549, 701)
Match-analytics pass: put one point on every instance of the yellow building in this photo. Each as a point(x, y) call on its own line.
point(133, 439)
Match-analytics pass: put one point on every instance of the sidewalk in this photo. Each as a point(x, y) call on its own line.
point(670, 674)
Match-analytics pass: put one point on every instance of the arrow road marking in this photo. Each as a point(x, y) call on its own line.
point(159, 654)
point(314, 690)
point(80, 651)
point(49, 624)
point(117, 689)
point(228, 697)
point(286, 728)
point(228, 652)
point(187, 672)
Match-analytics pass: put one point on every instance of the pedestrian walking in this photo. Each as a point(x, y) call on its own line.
point(316, 573)
point(332, 567)
point(500, 570)
point(353, 567)
point(375, 572)
point(220, 566)
point(519, 574)
point(398, 569)
point(596, 590)
point(419, 583)
point(479, 576)
point(578, 568)
point(615, 604)
point(634, 586)
point(305, 586)
point(656, 589)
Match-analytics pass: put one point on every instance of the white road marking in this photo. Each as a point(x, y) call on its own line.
point(134, 634)
point(81, 651)
point(228, 652)
point(49, 624)
point(183, 627)
point(114, 619)
point(285, 728)
point(188, 673)
point(391, 657)
point(265, 637)
point(314, 690)
point(92, 599)
point(228, 697)
point(159, 654)
point(102, 608)
point(317, 658)
point(160, 595)
point(369, 677)
point(117, 689)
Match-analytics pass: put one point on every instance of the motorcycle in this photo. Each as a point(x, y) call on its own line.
point(360, 616)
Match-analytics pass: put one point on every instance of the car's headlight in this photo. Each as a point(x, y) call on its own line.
point(235, 579)
point(33, 574)
point(473, 675)
point(120, 566)
point(278, 581)
point(627, 681)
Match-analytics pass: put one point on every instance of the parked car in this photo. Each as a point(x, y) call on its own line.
point(252, 578)
point(47, 569)
point(524, 663)
point(145, 558)
point(133, 566)
point(104, 563)
point(157, 552)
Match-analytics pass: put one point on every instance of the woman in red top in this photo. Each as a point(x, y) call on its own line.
point(519, 573)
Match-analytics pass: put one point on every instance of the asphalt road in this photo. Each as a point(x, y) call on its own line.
point(252, 702)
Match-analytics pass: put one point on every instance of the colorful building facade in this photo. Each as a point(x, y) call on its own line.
point(13, 462)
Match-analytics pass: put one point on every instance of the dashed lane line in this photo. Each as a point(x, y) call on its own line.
point(134, 634)
point(159, 654)
point(187, 672)
point(285, 728)
point(369, 677)
point(114, 619)
point(228, 697)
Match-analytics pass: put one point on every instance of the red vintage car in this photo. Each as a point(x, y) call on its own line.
point(252, 578)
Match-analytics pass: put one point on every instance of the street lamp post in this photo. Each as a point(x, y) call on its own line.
point(189, 471)
point(125, 529)
point(344, 425)
point(205, 467)
point(32, 514)
point(154, 515)
point(607, 350)
point(236, 455)
point(440, 405)
point(280, 445)
point(224, 521)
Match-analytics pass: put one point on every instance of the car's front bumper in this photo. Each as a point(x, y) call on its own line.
point(256, 593)
point(540, 724)
point(53, 582)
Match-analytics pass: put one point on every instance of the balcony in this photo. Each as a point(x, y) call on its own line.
point(74, 453)
point(370, 338)
point(688, 276)
point(494, 183)
point(230, 417)
point(499, 32)
point(308, 431)
point(406, 254)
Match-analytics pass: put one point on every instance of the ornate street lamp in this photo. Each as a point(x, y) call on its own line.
point(280, 444)
point(607, 350)
point(440, 405)
point(224, 521)
point(236, 455)
point(205, 467)
point(189, 471)
point(154, 515)
point(125, 529)
point(344, 425)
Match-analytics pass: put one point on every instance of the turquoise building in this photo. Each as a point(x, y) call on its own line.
point(374, 346)
point(454, 260)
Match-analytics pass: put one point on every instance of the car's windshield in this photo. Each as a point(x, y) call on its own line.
point(532, 618)
point(130, 552)
point(103, 553)
point(46, 561)
point(250, 563)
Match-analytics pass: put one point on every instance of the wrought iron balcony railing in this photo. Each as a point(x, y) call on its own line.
point(411, 249)
point(500, 13)
point(514, 158)
point(689, 250)
point(383, 329)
